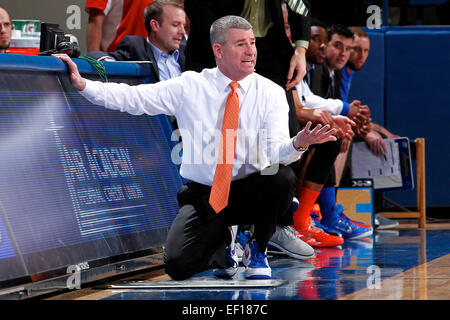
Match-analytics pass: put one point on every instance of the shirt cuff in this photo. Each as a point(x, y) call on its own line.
point(88, 89)
point(301, 43)
point(294, 153)
point(105, 57)
point(345, 108)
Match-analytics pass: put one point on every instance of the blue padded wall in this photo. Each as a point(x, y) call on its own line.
point(79, 183)
point(368, 83)
point(416, 64)
point(417, 100)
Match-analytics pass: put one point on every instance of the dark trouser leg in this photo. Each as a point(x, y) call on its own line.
point(265, 201)
point(195, 235)
point(322, 162)
point(198, 235)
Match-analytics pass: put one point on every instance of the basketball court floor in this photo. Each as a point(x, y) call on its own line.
point(405, 263)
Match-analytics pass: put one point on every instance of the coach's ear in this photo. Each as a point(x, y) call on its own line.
point(217, 49)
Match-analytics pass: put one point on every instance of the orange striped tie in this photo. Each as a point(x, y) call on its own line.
point(220, 189)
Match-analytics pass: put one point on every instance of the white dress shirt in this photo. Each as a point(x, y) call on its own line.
point(197, 100)
point(313, 101)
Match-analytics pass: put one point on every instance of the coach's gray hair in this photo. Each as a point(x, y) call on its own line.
point(220, 27)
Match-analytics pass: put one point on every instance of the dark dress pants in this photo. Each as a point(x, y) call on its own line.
point(198, 236)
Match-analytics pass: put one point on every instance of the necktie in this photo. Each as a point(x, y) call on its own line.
point(309, 76)
point(220, 189)
point(298, 6)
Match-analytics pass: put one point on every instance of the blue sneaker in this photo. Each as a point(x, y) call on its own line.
point(316, 221)
point(257, 266)
point(233, 264)
point(232, 259)
point(351, 230)
point(340, 208)
point(241, 240)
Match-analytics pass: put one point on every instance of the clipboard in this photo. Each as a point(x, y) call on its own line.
point(391, 171)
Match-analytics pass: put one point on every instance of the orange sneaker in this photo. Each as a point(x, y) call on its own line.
point(316, 237)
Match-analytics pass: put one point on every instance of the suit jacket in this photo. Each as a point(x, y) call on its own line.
point(136, 48)
point(202, 13)
point(321, 82)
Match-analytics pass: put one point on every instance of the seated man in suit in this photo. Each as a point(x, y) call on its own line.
point(164, 47)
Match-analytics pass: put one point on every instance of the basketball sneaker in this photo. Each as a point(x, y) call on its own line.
point(233, 264)
point(232, 258)
point(351, 229)
point(241, 240)
point(317, 237)
point(255, 261)
point(285, 239)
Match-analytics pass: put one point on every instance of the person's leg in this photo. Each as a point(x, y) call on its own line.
point(262, 200)
point(333, 217)
point(196, 235)
point(316, 174)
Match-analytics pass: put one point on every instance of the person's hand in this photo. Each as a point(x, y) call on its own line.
point(354, 108)
point(344, 125)
point(74, 75)
point(362, 128)
point(375, 143)
point(364, 112)
point(319, 134)
point(322, 116)
point(298, 64)
point(362, 115)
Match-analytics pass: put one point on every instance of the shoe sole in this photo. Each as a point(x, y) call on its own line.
point(219, 273)
point(254, 277)
point(362, 235)
point(250, 274)
point(291, 254)
point(389, 226)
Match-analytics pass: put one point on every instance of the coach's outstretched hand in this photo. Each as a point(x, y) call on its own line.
point(319, 134)
point(74, 75)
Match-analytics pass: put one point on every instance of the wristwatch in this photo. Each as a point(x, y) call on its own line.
point(301, 148)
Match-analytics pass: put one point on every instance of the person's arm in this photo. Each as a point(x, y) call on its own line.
point(313, 101)
point(100, 56)
point(384, 131)
point(300, 23)
point(375, 143)
point(281, 148)
point(94, 29)
point(152, 99)
point(319, 134)
point(297, 64)
point(319, 115)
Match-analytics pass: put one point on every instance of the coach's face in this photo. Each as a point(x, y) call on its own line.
point(237, 57)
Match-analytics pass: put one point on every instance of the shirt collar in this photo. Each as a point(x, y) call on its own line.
point(158, 53)
point(223, 82)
